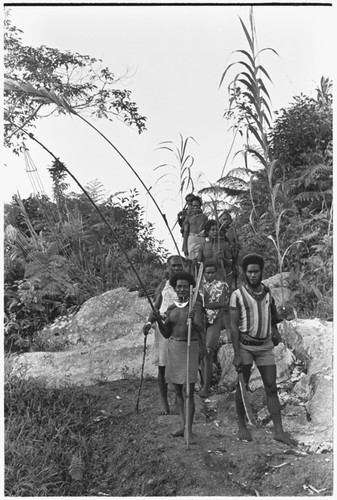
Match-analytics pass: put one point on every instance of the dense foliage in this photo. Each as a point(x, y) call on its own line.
point(55, 261)
point(282, 195)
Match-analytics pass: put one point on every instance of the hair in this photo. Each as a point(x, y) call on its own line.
point(208, 225)
point(252, 258)
point(191, 195)
point(183, 260)
point(197, 198)
point(182, 276)
point(210, 263)
point(227, 214)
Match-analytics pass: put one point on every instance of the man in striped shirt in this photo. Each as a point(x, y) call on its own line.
point(254, 333)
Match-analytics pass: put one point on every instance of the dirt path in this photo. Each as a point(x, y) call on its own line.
point(145, 460)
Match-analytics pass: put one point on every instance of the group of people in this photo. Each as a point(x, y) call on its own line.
point(208, 239)
point(249, 313)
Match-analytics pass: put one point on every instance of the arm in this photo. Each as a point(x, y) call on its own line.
point(151, 319)
point(165, 328)
point(235, 334)
point(186, 228)
point(198, 325)
point(201, 253)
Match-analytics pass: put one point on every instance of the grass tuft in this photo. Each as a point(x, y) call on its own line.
point(53, 438)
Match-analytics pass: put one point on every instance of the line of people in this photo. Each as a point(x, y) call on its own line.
point(208, 239)
point(249, 313)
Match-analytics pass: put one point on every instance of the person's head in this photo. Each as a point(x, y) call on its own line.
point(188, 199)
point(175, 264)
point(225, 220)
point(196, 203)
point(252, 265)
point(210, 229)
point(181, 283)
point(210, 269)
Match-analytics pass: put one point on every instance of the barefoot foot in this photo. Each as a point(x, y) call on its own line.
point(244, 434)
point(193, 438)
point(285, 438)
point(165, 410)
point(178, 433)
point(204, 393)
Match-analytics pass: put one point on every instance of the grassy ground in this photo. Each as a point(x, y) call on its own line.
point(91, 442)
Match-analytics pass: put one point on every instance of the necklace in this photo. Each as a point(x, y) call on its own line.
point(181, 304)
point(254, 292)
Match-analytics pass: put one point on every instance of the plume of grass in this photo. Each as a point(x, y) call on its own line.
point(182, 168)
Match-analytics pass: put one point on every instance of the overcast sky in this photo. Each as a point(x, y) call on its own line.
point(175, 56)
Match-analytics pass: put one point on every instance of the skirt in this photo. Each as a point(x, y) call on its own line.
point(175, 372)
point(193, 244)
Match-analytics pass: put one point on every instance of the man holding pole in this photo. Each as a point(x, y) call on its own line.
point(184, 344)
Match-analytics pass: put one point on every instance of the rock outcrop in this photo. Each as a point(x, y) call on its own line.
point(104, 342)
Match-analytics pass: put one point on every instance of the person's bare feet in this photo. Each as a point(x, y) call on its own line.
point(179, 433)
point(192, 440)
point(244, 434)
point(285, 438)
point(165, 409)
point(204, 393)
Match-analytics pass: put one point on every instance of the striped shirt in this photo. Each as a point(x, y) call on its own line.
point(255, 314)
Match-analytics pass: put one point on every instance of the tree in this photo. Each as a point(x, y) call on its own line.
point(81, 80)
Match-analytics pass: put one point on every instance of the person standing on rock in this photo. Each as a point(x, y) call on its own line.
point(175, 329)
point(193, 226)
point(165, 295)
point(254, 333)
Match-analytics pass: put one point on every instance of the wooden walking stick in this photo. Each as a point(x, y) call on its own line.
point(193, 298)
point(142, 374)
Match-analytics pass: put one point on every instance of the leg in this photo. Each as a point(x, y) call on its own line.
point(268, 374)
point(163, 390)
point(178, 388)
point(212, 338)
point(190, 416)
point(244, 433)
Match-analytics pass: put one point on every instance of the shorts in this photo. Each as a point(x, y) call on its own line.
point(263, 355)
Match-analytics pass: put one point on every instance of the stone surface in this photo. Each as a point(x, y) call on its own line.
point(104, 342)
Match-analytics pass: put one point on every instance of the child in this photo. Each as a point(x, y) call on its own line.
point(215, 294)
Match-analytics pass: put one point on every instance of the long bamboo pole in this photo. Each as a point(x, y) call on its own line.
point(102, 217)
point(192, 301)
point(188, 389)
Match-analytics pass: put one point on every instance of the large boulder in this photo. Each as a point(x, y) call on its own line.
point(304, 379)
point(102, 342)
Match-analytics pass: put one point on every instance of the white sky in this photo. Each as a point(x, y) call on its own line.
point(176, 56)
